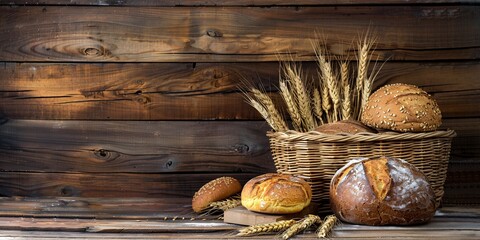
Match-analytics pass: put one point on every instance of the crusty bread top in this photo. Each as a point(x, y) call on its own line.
point(276, 194)
point(390, 190)
point(402, 107)
point(344, 126)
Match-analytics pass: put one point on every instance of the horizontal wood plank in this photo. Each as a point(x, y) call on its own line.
point(166, 209)
point(130, 91)
point(445, 224)
point(76, 149)
point(100, 208)
point(120, 185)
point(143, 146)
point(233, 34)
point(174, 91)
point(49, 235)
point(168, 147)
point(168, 187)
point(182, 226)
point(171, 3)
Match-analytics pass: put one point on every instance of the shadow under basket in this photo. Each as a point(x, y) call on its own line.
point(316, 156)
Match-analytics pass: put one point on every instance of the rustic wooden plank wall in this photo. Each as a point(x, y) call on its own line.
point(141, 99)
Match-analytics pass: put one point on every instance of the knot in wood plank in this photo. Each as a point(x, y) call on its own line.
point(241, 148)
point(214, 33)
point(91, 51)
point(142, 99)
point(105, 155)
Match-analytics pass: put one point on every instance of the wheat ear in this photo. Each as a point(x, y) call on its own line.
point(301, 225)
point(261, 109)
point(324, 230)
point(364, 82)
point(328, 76)
point(347, 104)
point(226, 204)
point(326, 105)
point(291, 106)
point(275, 119)
point(300, 94)
point(265, 228)
point(317, 106)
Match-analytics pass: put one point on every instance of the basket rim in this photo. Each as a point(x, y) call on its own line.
point(293, 135)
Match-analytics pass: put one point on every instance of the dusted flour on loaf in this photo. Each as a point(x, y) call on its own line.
point(381, 191)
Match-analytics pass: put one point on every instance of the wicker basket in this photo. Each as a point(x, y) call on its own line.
point(316, 156)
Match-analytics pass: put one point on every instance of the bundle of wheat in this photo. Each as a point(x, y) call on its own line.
point(338, 94)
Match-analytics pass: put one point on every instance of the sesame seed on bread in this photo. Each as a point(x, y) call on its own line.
point(402, 107)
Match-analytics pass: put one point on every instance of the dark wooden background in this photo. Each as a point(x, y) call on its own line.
point(141, 100)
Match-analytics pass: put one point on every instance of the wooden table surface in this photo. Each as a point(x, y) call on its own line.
point(132, 219)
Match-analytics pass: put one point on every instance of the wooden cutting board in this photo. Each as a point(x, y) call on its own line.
point(240, 215)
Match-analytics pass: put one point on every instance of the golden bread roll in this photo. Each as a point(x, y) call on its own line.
point(381, 191)
point(276, 193)
point(403, 108)
point(344, 126)
point(215, 190)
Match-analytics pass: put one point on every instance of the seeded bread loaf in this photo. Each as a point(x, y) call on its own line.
point(215, 190)
point(403, 108)
point(381, 191)
point(276, 193)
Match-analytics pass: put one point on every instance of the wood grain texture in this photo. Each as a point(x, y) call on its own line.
point(137, 208)
point(172, 3)
point(55, 158)
point(104, 185)
point(448, 223)
point(139, 147)
point(99, 208)
point(407, 235)
point(167, 147)
point(130, 91)
point(233, 34)
point(183, 91)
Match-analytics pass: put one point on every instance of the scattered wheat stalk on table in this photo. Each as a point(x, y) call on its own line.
point(301, 225)
point(265, 228)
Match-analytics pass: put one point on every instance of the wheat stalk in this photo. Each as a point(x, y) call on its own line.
point(261, 109)
point(347, 104)
point(265, 228)
point(291, 106)
point(328, 76)
point(326, 106)
point(317, 106)
point(300, 94)
point(364, 82)
point(301, 225)
point(226, 204)
point(324, 230)
point(275, 119)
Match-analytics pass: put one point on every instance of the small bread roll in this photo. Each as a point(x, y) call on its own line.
point(215, 190)
point(344, 126)
point(276, 193)
point(381, 191)
point(402, 107)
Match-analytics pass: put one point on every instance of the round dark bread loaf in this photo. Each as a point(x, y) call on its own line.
point(276, 193)
point(344, 126)
point(402, 107)
point(381, 191)
point(215, 190)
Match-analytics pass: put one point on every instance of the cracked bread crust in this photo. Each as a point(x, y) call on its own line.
point(381, 191)
point(276, 193)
